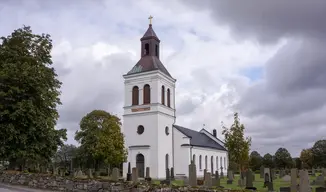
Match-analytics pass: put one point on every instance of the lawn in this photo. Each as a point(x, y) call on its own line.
point(258, 183)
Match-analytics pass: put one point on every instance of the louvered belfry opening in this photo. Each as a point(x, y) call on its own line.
point(147, 94)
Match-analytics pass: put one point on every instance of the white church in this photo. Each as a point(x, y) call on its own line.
point(151, 136)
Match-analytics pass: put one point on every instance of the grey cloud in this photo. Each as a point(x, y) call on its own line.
point(286, 105)
point(268, 20)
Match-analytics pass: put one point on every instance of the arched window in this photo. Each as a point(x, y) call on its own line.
point(200, 162)
point(156, 50)
point(224, 163)
point(194, 159)
point(135, 95)
point(217, 163)
point(221, 162)
point(147, 94)
point(212, 164)
point(206, 162)
point(163, 95)
point(167, 161)
point(146, 49)
point(168, 98)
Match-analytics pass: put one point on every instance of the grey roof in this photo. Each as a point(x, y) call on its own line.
point(150, 33)
point(199, 139)
point(149, 63)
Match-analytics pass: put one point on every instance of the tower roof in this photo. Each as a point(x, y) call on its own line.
point(150, 33)
point(149, 60)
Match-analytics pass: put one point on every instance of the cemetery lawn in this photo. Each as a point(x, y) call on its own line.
point(258, 183)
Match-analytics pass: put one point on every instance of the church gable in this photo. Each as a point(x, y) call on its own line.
point(200, 139)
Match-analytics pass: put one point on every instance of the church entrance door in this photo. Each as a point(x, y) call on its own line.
point(140, 164)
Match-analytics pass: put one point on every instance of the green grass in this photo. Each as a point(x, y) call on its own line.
point(258, 183)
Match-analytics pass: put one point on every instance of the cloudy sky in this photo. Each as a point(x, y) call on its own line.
point(264, 59)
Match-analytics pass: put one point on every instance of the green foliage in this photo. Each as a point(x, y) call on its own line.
point(268, 161)
point(319, 153)
point(283, 158)
point(101, 138)
point(29, 95)
point(297, 163)
point(238, 146)
point(255, 161)
point(306, 158)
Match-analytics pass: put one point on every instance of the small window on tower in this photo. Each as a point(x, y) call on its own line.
point(146, 49)
point(156, 50)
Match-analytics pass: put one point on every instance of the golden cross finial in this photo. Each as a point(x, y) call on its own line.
point(150, 19)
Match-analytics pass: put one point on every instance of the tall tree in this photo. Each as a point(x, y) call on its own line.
point(306, 158)
point(238, 146)
point(283, 158)
point(255, 160)
point(65, 155)
point(100, 135)
point(319, 153)
point(29, 95)
point(268, 161)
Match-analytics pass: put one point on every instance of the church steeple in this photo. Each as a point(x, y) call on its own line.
point(150, 53)
point(150, 43)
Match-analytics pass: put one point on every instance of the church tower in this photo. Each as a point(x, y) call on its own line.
point(149, 111)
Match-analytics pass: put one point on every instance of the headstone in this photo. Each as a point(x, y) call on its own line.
point(216, 180)
point(230, 175)
point(262, 172)
point(270, 186)
point(115, 174)
point(208, 180)
point(135, 174)
point(167, 176)
point(192, 175)
point(285, 189)
point(267, 177)
point(249, 177)
point(320, 180)
point(304, 181)
point(172, 174)
point(241, 182)
point(222, 175)
point(90, 173)
point(129, 175)
point(282, 173)
point(313, 172)
point(286, 178)
point(80, 173)
point(108, 171)
point(147, 174)
point(294, 177)
point(273, 175)
point(205, 171)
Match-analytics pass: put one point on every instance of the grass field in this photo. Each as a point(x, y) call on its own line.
point(258, 183)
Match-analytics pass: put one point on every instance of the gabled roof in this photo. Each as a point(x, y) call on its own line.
point(199, 139)
point(149, 63)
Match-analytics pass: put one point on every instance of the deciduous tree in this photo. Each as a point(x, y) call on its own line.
point(100, 136)
point(319, 153)
point(237, 144)
point(283, 158)
point(268, 161)
point(29, 96)
point(255, 160)
point(306, 158)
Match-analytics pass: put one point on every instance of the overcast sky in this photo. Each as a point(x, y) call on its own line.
point(265, 59)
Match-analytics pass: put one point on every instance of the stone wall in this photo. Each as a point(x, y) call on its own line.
point(57, 183)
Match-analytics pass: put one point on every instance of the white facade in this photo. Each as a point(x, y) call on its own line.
point(151, 138)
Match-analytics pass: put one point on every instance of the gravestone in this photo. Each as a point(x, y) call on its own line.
point(267, 177)
point(249, 177)
point(304, 181)
point(80, 173)
point(129, 176)
point(208, 180)
point(90, 173)
point(167, 180)
point(216, 180)
point(286, 178)
point(273, 175)
point(115, 174)
point(282, 173)
point(192, 175)
point(147, 175)
point(230, 177)
point(135, 174)
point(294, 184)
point(320, 180)
point(222, 175)
point(285, 189)
point(313, 172)
point(172, 174)
point(262, 172)
point(205, 171)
